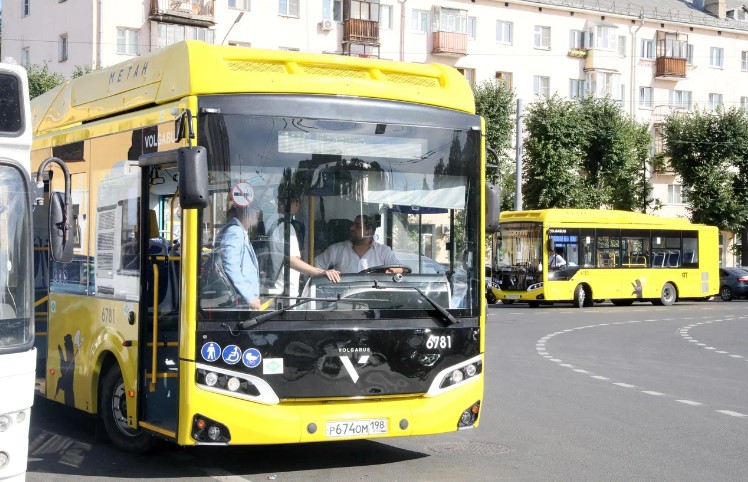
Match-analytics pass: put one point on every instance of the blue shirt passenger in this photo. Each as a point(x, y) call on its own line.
point(238, 256)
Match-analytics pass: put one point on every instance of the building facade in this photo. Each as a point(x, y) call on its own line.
point(668, 55)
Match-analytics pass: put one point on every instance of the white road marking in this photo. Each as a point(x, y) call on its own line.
point(656, 394)
point(624, 385)
point(223, 475)
point(600, 377)
point(732, 414)
point(579, 370)
point(690, 402)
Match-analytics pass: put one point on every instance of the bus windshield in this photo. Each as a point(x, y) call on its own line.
point(409, 182)
point(16, 321)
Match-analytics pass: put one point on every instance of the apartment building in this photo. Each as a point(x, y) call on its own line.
point(654, 56)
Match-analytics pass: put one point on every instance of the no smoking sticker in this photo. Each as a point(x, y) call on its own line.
point(242, 194)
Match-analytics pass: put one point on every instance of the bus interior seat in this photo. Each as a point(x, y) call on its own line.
point(673, 259)
point(689, 257)
point(158, 246)
point(658, 260)
point(337, 230)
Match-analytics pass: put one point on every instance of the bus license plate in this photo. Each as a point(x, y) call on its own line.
point(512, 297)
point(357, 428)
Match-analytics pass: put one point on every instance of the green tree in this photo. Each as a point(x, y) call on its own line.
point(80, 70)
point(41, 80)
point(495, 102)
point(584, 154)
point(709, 152)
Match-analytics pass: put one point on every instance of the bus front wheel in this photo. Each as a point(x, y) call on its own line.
point(581, 298)
point(113, 410)
point(668, 295)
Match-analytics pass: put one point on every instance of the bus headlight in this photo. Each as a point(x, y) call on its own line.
point(233, 384)
point(211, 379)
point(5, 423)
point(534, 287)
point(456, 375)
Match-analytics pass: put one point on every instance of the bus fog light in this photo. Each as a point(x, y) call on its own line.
point(470, 370)
point(211, 379)
point(234, 384)
point(3, 459)
point(214, 433)
point(457, 376)
point(20, 417)
point(4, 423)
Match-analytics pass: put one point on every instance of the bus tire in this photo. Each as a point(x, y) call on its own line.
point(113, 411)
point(581, 298)
point(627, 302)
point(507, 302)
point(668, 295)
point(533, 304)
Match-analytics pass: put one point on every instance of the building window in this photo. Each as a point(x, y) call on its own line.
point(505, 78)
point(647, 49)
point(239, 4)
point(604, 37)
point(385, 16)
point(288, 8)
point(744, 103)
point(26, 57)
point(469, 75)
point(472, 27)
point(504, 32)
point(542, 38)
point(689, 54)
point(576, 39)
point(541, 85)
point(744, 61)
point(169, 33)
point(604, 84)
point(577, 89)
point(127, 41)
point(239, 44)
point(645, 97)
point(62, 51)
point(621, 46)
point(361, 10)
point(26, 8)
point(289, 49)
point(675, 195)
point(680, 99)
point(420, 23)
point(452, 20)
point(716, 57)
point(715, 102)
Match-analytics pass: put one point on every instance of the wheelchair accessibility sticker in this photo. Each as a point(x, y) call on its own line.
point(252, 357)
point(232, 354)
point(211, 351)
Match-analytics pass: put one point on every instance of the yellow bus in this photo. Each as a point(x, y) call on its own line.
point(587, 255)
point(163, 147)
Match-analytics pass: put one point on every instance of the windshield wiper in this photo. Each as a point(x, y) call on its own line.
point(272, 314)
point(443, 311)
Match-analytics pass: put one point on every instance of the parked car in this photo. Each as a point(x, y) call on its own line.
point(733, 283)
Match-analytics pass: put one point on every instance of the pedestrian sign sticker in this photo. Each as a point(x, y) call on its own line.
point(211, 351)
point(252, 357)
point(232, 354)
point(242, 194)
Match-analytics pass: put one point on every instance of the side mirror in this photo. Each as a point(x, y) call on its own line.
point(192, 164)
point(60, 242)
point(493, 207)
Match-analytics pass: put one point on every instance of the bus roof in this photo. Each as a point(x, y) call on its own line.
point(586, 217)
point(193, 68)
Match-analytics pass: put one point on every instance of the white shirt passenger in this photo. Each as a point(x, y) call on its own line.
point(341, 257)
point(277, 248)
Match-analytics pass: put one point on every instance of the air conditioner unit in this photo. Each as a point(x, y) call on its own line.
point(445, 230)
point(326, 24)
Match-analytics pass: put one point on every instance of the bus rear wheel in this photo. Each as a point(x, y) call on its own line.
point(668, 295)
point(113, 410)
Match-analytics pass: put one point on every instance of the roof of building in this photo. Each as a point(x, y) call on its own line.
point(681, 11)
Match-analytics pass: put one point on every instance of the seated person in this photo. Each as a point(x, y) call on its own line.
point(556, 261)
point(360, 252)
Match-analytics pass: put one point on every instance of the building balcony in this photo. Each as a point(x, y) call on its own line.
point(449, 43)
point(196, 13)
point(579, 53)
point(360, 31)
point(606, 60)
point(670, 68)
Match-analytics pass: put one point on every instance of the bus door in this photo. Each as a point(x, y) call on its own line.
point(159, 307)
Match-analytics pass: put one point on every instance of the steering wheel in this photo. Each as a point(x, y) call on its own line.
point(383, 268)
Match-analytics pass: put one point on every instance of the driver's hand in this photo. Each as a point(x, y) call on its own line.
point(394, 270)
point(333, 275)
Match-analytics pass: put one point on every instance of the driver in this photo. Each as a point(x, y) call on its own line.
point(360, 252)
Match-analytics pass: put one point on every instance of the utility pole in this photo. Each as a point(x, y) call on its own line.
point(518, 160)
point(238, 17)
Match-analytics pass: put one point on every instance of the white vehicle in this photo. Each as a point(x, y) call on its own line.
point(17, 352)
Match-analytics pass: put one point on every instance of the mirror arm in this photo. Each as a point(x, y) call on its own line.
point(68, 197)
